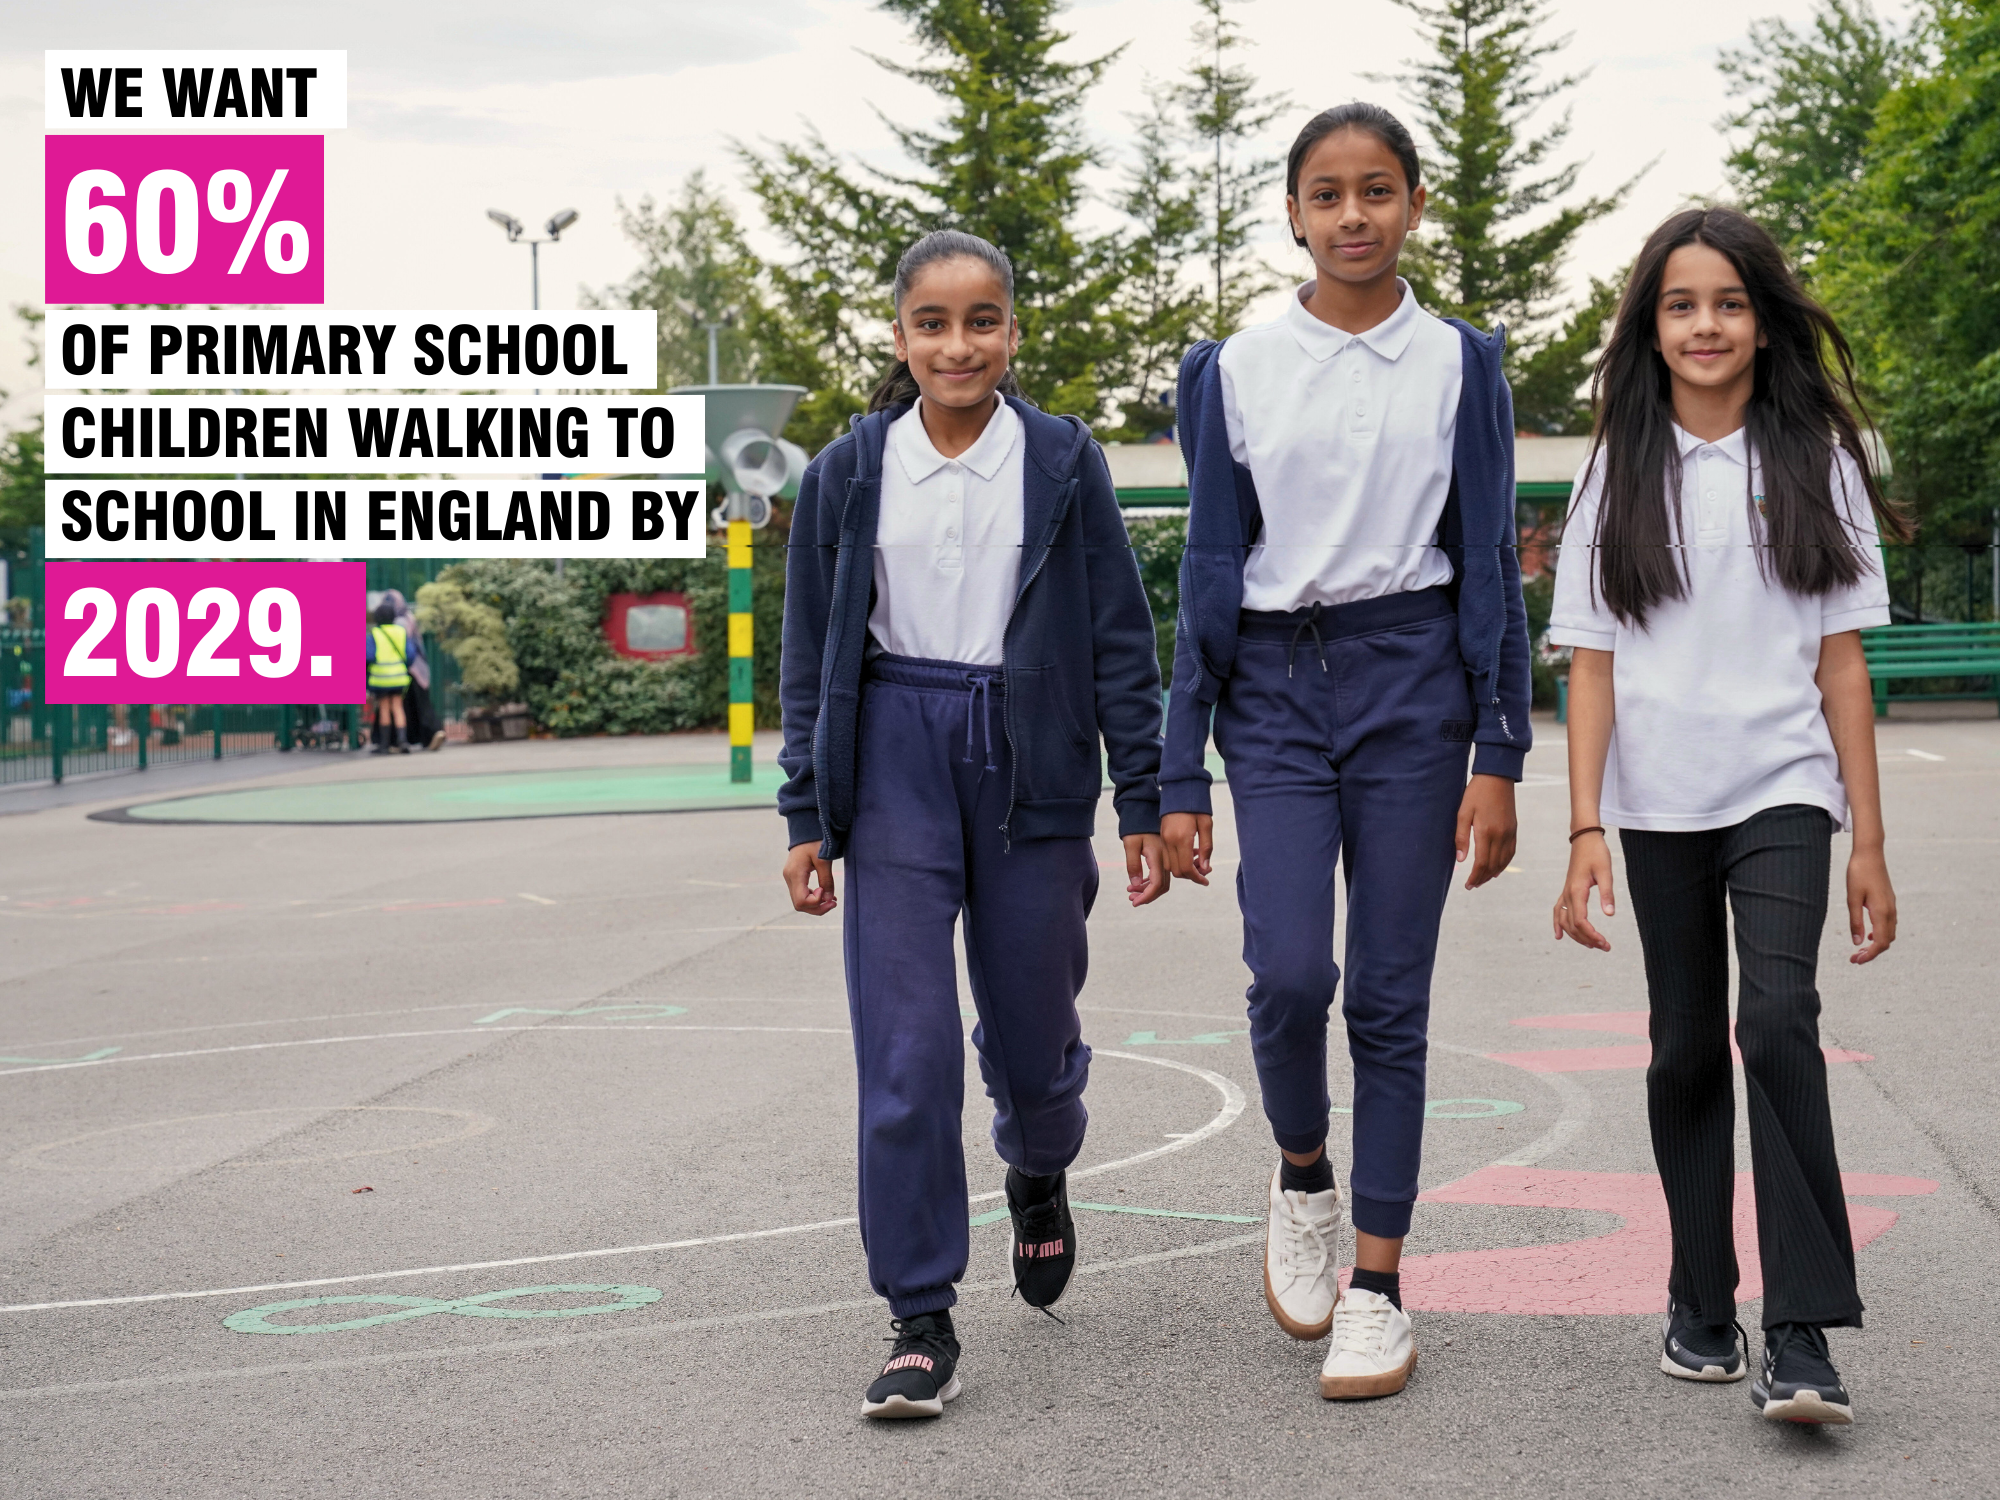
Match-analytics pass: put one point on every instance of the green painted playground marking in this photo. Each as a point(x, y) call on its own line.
point(457, 799)
point(465, 799)
point(995, 1215)
point(87, 1057)
point(631, 1012)
point(254, 1319)
point(1203, 1039)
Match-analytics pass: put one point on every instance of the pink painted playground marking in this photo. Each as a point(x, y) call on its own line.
point(1599, 1059)
point(1624, 1271)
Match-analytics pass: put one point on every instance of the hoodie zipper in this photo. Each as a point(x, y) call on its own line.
point(1007, 703)
point(1500, 574)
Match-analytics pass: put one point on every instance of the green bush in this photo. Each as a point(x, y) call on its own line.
point(575, 684)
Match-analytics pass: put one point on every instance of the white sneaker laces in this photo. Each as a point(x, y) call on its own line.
point(1361, 1329)
point(1304, 1249)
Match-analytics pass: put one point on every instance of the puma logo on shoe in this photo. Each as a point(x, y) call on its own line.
point(910, 1362)
point(1044, 1251)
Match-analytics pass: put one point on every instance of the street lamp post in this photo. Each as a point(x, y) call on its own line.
point(557, 223)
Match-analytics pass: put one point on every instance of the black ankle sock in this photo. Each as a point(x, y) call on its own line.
point(1314, 1177)
point(1388, 1283)
point(1028, 1191)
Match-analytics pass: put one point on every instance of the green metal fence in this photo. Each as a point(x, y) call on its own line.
point(41, 741)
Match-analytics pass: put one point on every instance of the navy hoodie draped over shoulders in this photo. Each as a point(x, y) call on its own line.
point(1477, 534)
point(1080, 652)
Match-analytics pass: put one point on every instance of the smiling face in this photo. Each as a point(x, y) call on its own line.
point(1704, 326)
point(956, 332)
point(1354, 207)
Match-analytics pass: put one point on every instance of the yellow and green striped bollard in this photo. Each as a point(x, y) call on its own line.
point(742, 712)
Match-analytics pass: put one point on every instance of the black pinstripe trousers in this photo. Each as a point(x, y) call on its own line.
point(1769, 872)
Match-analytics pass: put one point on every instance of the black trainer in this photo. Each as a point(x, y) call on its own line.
point(1699, 1351)
point(922, 1372)
point(1044, 1240)
point(1798, 1382)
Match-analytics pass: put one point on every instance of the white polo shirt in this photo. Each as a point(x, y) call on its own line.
point(948, 542)
point(1718, 715)
point(1348, 437)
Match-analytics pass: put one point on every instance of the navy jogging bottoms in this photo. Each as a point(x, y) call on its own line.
point(1346, 731)
point(926, 849)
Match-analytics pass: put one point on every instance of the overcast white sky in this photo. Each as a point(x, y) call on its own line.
point(455, 107)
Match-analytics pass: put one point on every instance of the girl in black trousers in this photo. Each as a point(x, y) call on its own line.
point(1720, 562)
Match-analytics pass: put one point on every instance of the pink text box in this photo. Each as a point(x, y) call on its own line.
point(331, 625)
point(114, 203)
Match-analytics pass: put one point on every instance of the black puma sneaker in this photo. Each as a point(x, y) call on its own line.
point(1798, 1382)
point(1698, 1351)
point(922, 1372)
point(1044, 1239)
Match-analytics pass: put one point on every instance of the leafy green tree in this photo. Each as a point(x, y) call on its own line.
point(1912, 268)
point(1809, 102)
point(695, 269)
point(1226, 112)
point(1503, 215)
point(1007, 162)
point(21, 476)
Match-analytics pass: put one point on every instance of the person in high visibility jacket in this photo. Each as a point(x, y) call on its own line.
point(388, 676)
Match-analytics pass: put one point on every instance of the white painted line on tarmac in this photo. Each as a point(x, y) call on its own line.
point(1233, 1104)
point(1574, 1114)
point(392, 1036)
point(559, 1341)
point(1923, 755)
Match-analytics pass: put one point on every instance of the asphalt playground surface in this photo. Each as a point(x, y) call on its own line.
point(352, 1148)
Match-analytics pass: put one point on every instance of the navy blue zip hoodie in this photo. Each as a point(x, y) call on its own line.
point(1079, 650)
point(1477, 533)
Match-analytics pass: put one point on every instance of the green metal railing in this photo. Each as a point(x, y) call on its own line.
point(42, 741)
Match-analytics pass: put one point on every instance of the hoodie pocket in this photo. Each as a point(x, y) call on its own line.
point(1057, 759)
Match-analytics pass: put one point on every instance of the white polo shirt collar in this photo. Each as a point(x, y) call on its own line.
point(1322, 341)
point(920, 458)
point(1735, 447)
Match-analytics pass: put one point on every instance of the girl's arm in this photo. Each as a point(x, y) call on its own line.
point(1592, 710)
point(808, 878)
point(1848, 701)
point(1127, 690)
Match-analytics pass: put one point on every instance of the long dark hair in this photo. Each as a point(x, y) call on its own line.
point(898, 387)
point(1372, 118)
point(1803, 403)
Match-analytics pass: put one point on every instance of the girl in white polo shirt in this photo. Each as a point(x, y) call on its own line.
point(1720, 562)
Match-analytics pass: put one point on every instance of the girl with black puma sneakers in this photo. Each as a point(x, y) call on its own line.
point(1719, 564)
point(964, 621)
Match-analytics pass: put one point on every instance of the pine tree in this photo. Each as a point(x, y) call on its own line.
point(1160, 312)
point(1006, 162)
point(1476, 96)
point(1225, 113)
point(1810, 102)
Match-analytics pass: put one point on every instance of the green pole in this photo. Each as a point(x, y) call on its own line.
point(141, 715)
point(216, 709)
point(58, 740)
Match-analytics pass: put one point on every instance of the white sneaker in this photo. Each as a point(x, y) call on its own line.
point(1372, 1353)
point(1301, 1260)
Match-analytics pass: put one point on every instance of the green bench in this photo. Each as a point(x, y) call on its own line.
point(1907, 651)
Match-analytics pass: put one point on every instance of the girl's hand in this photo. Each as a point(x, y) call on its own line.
point(1145, 868)
point(1487, 813)
point(802, 865)
point(1589, 865)
point(1869, 893)
point(1190, 844)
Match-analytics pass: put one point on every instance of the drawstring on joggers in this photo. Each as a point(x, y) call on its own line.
point(1310, 622)
point(980, 696)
